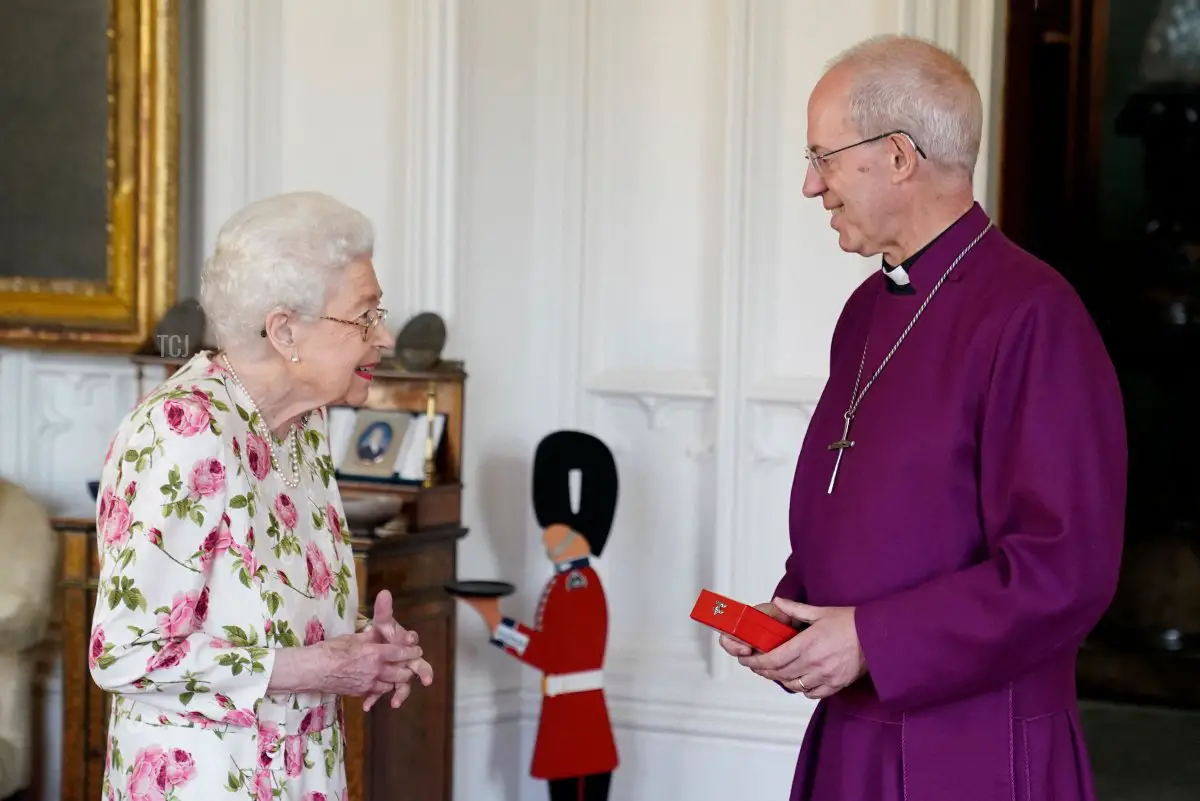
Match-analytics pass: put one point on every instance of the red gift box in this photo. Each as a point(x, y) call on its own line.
point(740, 621)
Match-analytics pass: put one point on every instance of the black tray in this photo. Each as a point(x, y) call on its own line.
point(480, 589)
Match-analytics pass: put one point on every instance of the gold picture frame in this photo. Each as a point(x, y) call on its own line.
point(119, 312)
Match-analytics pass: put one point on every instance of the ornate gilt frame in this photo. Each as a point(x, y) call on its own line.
point(120, 313)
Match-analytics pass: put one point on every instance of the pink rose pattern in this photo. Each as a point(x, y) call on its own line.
point(190, 601)
point(286, 511)
point(207, 478)
point(157, 772)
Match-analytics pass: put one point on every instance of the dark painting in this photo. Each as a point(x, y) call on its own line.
point(54, 149)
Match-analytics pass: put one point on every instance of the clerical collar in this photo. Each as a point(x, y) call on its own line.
point(899, 281)
point(574, 564)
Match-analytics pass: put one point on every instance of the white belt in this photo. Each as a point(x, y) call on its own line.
point(563, 683)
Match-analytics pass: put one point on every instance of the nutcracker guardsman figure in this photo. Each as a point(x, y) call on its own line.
point(575, 751)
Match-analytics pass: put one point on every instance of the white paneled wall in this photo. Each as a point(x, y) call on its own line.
point(684, 296)
point(603, 198)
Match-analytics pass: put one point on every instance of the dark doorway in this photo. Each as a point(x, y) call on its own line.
point(1100, 176)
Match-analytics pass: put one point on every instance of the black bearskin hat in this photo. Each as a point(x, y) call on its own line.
point(557, 455)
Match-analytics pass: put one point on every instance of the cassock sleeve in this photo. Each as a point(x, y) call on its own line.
point(1052, 472)
point(162, 524)
point(790, 586)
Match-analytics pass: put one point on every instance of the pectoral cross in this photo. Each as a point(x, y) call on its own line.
point(840, 446)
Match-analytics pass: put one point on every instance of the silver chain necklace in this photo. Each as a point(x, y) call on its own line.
point(293, 439)
point(856, 396)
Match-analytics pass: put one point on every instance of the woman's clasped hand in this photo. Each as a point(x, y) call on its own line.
point(360, 666)
point(395, 653)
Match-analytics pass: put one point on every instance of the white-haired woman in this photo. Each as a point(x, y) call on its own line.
point(225, 621)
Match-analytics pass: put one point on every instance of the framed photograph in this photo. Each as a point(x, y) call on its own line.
point(374, 444)
point(386, 446)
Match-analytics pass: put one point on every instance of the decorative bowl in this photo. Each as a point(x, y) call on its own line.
point(369, 510)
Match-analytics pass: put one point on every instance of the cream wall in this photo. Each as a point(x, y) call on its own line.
point(603, 199)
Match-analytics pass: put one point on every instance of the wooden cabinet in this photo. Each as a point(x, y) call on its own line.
point(84, 705)
point(410, 748)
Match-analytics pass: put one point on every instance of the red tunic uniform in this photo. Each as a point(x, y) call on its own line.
point(567, 644)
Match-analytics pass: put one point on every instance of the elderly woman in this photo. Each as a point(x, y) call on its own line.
point(225, 621)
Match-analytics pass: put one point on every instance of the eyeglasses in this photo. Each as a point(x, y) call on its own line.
point(817, 160)
point(374, 318)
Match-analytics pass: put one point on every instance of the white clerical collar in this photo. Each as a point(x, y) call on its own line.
point(897, 275)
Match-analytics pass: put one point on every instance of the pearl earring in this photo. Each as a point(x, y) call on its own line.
point(295, 356)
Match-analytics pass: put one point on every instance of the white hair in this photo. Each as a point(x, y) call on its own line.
point(903, 83)
point(281, 252)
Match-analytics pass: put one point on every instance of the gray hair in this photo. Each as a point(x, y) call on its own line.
point(282, 252)
point(908, 84)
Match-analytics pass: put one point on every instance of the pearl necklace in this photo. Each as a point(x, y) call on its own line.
point(293, 437)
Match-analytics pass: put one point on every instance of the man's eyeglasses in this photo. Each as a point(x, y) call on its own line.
point(817, 160)
point(373, 318)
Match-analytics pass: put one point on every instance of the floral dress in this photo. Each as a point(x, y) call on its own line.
point(209, 563)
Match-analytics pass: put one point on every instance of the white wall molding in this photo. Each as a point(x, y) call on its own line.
point(560, 129)
point(765, 425)
point(14, 455)
point(483, 708)
point(731, 313)
point(699, 715)
point(972, 29)
point(682, 698)
point(787, 391)
point(264, 98)
point(60, 406)
point(679, 385)
point(240, 108)
point(559, 180)
point(427, 113)
point(656, 411)
point(653, 189)
point(242, 157)
point(936, 20)
point(656, 393)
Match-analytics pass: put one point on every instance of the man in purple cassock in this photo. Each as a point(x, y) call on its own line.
point(958, 506)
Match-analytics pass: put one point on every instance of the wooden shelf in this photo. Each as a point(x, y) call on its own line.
point(389, 368)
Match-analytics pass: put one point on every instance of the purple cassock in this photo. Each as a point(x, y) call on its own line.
point(976, 524)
